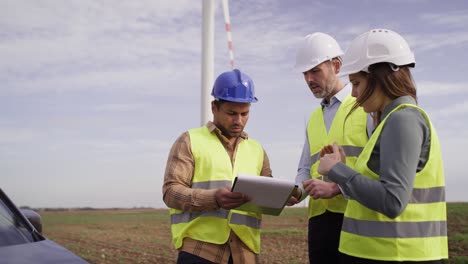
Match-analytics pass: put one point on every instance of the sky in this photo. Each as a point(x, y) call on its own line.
point(94, 92)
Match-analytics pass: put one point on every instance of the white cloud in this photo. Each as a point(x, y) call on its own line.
point(147, 80)
point(456, 19)
point(120, 107)
point(452, 111)
point(15, 135)
point(47, 47)
point(440, 88)
point(453, 145)
point(438, 40)
point(91, 14)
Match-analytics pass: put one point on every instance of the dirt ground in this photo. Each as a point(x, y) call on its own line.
point(143, 235)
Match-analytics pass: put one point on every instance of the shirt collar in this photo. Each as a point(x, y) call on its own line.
point(214, 129)
point(338, 97)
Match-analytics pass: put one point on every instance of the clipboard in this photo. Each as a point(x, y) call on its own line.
point(267, 195)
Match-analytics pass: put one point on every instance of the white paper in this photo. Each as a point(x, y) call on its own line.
point(268, 195)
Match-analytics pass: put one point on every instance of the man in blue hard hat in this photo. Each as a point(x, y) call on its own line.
point(199, 172)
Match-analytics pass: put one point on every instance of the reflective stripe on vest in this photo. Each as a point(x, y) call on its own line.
point(185, 217)
point(395, 229)
point(350, 132)
point(420, 232)
point(210, 184)
point(237, 219)
point(214, 170)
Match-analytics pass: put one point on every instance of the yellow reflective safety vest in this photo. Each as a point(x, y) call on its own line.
point(420, 232)
point(213, 169)
point(350, 132)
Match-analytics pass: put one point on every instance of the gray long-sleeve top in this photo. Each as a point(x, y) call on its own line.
point(401, 150)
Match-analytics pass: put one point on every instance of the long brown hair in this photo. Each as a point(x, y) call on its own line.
point(394, 82)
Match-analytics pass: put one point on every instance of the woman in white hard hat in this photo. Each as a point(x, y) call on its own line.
point(396, 210)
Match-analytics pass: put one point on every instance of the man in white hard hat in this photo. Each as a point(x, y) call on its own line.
point(318, 59)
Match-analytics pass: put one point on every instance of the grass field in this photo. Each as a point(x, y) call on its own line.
point(143, 235)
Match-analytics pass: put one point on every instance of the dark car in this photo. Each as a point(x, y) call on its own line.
point(21, 242)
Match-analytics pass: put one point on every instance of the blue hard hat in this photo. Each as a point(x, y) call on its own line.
point(234, 86)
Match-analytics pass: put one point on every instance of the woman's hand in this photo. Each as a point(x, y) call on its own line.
point(328, 149)
point(330, 156)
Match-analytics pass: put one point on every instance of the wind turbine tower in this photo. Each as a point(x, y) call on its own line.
point(207, 78)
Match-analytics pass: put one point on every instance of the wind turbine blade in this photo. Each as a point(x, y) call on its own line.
point(227, 21)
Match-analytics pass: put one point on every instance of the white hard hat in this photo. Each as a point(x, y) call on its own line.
point(314, 49)
point(374, 46)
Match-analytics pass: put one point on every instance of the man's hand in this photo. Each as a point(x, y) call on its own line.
point(229, 200)
point(294, 199)
point(320, 189)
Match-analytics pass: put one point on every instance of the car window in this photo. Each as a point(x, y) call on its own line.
point(12, 232)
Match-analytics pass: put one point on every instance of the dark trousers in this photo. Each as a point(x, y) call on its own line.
point(345, 259)
point(187, 258)
point(324, 238)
